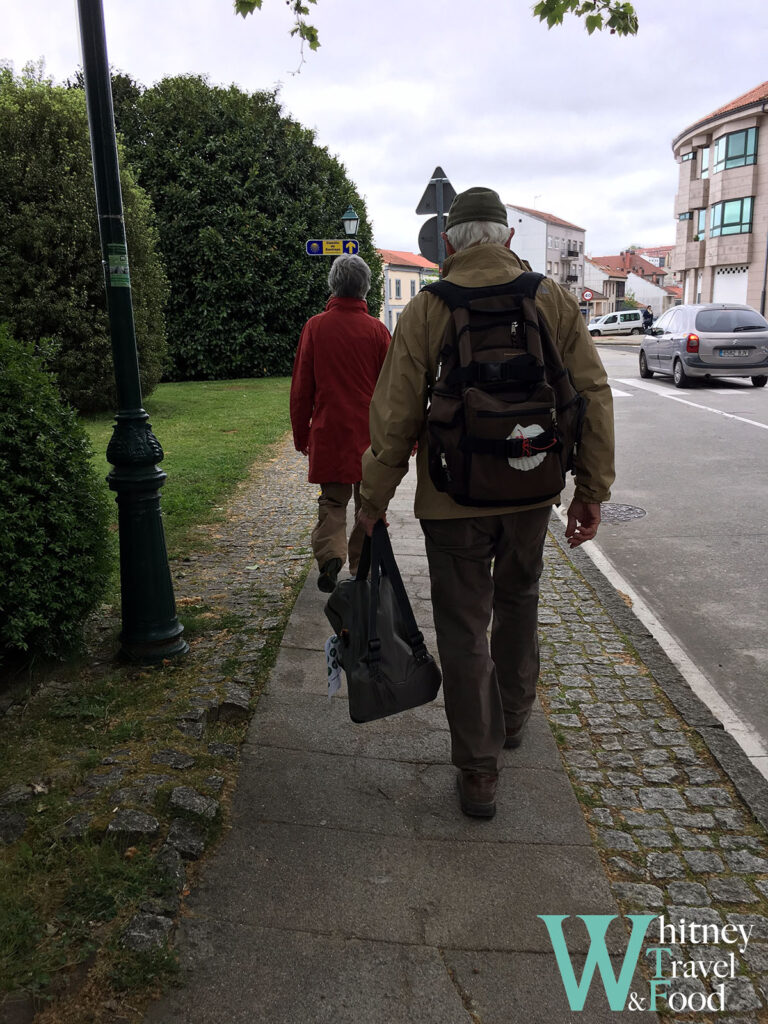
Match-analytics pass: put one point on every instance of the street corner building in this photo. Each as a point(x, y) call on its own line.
point(721, 250)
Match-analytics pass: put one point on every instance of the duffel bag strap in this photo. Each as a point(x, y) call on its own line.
point(383, 558)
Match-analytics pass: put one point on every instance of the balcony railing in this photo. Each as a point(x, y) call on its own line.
point(571, 277)
point(568, 253)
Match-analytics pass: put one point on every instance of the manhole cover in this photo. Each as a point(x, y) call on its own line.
point(611, 513)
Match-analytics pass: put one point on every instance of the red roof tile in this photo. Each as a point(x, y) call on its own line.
point(613, 271)
point(630, 263)
point(656, 250)
point(760, 92)
point(548, 217)
point(757, 95)
point(405, 259)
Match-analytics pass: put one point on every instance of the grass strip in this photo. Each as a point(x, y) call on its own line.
point(212, 432)
point(66, 900)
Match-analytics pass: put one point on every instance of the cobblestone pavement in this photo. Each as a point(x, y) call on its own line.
point(674, 836)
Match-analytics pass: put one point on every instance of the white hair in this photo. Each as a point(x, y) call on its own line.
point(477, 232)
point(350, 277)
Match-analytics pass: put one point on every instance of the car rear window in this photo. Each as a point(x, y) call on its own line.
point(726, 320)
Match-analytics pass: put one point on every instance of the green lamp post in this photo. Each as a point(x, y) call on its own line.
point(351, 222)
point(151, 631)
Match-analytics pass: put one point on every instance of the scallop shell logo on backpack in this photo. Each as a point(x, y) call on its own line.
point(526, 462)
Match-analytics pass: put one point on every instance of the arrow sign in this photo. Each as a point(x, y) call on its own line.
point(428, 202)
point(332, 246)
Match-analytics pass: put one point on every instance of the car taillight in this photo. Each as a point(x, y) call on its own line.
point(692, 343)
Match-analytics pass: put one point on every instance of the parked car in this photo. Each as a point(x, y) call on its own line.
point(628, 321)
point(707, 341)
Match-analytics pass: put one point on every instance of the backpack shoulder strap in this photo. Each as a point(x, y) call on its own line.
point(456, 296)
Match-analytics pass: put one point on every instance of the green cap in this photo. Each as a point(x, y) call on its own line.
point(476, 204)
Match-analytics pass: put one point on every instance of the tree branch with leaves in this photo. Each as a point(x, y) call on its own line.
point(619, 17)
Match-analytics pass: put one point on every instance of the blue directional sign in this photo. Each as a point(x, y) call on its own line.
point(332, 246)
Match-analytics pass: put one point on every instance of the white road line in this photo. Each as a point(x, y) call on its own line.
point(644, 385)
point(747, 738)
point(618, 393)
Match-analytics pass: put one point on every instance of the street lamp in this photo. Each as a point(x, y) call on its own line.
point(151, 631)
point(351, 222)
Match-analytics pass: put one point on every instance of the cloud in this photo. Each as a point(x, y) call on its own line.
point(579, 125)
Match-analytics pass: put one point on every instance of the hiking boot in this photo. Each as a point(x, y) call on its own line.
point(329, 572)
point(477, 793)
point(515, 736)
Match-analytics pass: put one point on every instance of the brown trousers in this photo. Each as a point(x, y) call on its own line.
point(329, 537)
point(483, 567)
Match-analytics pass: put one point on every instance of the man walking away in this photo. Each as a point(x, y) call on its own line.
point(484, 562)
point(338, 360)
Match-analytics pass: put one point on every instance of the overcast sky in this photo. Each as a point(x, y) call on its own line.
point(575, 125)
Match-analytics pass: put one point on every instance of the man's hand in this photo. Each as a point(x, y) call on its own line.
point(368, 523)
point(583, 521)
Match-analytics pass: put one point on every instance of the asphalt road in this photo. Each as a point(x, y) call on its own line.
point(696, 461)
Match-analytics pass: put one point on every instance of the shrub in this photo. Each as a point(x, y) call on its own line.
point(238, 188)
point(51, 277)
point(55, 555)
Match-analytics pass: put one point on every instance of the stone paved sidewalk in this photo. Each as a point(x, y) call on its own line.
point(350, 888)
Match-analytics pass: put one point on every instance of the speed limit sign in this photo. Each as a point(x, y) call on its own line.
point(587, 295)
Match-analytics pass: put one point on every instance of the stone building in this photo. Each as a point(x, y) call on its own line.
point(721, 250)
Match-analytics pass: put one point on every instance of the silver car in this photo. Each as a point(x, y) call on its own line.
point(705, 342)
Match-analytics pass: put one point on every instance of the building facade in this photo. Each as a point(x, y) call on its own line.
point(404, 275)
point(721, 248)
point(552, 246)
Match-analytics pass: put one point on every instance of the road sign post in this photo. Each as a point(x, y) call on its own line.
point(437, 198)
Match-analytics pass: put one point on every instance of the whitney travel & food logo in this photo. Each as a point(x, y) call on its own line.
point(666, 967)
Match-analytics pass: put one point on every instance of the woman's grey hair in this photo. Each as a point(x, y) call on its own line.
point(477, 232)
point(349, 278)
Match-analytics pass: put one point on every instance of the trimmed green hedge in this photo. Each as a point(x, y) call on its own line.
point(51, 276)
point(55, 550)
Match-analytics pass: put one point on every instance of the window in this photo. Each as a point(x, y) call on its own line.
point(733, 217)
point(688, 156)
point(628, 317)
point(735, 150)
point(664, 321)
point(727, 320)
point(398, 290)
point(705, 162)
point(557, 268)
point(413, 287)
point(686, 216)
point(701, 224)
point(389, 317)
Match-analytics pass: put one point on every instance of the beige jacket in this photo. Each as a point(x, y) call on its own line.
point(399, 404)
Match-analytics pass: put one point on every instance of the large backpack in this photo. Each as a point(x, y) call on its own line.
point(504, 417)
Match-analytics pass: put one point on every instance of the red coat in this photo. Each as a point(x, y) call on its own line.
point(337, 363)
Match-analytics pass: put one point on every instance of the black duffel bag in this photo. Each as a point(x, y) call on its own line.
point(381, 649)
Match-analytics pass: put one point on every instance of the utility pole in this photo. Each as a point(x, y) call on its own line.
point(151, 631)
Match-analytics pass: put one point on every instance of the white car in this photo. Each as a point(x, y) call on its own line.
point(628, 321)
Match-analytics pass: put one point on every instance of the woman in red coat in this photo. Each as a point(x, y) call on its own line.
point(337, 364)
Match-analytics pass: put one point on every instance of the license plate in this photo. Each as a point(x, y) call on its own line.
point(732, 353)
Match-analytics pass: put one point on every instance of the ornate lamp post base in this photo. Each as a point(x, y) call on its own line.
point(151, 632)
